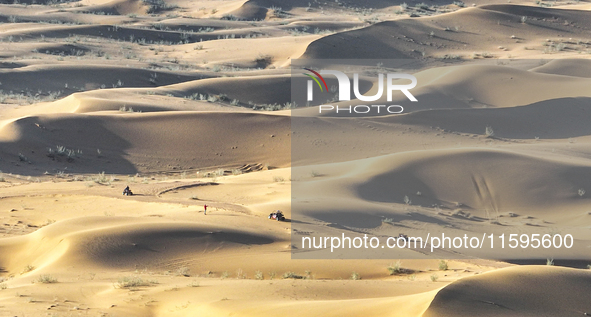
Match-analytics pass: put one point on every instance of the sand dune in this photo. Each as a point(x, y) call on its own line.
point(560, 118)
point(251, 11)
point(457, 33)
point(485, 180)
point(243, 89)
point(197, 25)
point(239, 53)
point(106, 31)
point(117, 7)
point(459, 87)
point(138, 137)
point(126, 100)
point(121, 243)
point(70, 15)
point(360, 194)
point(503, 293)
point(409, 306)
point(575, 68)
point(370, 4)
point(72, 78)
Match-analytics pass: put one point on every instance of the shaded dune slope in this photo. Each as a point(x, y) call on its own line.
point(130, 141)
point(552, 119)
point(251, 11)
point(122, 33)
point(120, 243)
point(516, 291)
point(116, 7)
point(72, 78)
point(566, 67)
point(490, 180)
point(230, 94)
point(457, 87)
point(486, 182)
point(255, 89)
point(407, 38)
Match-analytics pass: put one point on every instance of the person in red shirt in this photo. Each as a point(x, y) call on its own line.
point(205, 209)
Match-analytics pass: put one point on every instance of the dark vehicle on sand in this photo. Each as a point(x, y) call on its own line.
point(277, 215)
point(127, 192)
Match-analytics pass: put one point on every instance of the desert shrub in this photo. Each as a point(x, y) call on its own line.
point(395, 268)
point(407, 200)
point(450, 56)
point(422, 6)
point(262, 61)
point(132, 281)
point(155, 6)
point(183, 271)
point(443, 265)
point(101, 178)
point(278, 179)
point(240, 274)
point(22, 158)
point(46, 279)
point(278, 12)
point(292, 275)
point(355, 276)
point(194, 284)
point(434, 277)
point(27, 269)
point(230, 17)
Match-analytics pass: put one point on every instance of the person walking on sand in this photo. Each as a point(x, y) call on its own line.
point(205, 209)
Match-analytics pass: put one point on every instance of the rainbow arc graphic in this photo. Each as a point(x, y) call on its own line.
point(316, 79)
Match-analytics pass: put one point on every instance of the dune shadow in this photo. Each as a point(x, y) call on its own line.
point(148, 245)
point(560, 118)
point(74, 132)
